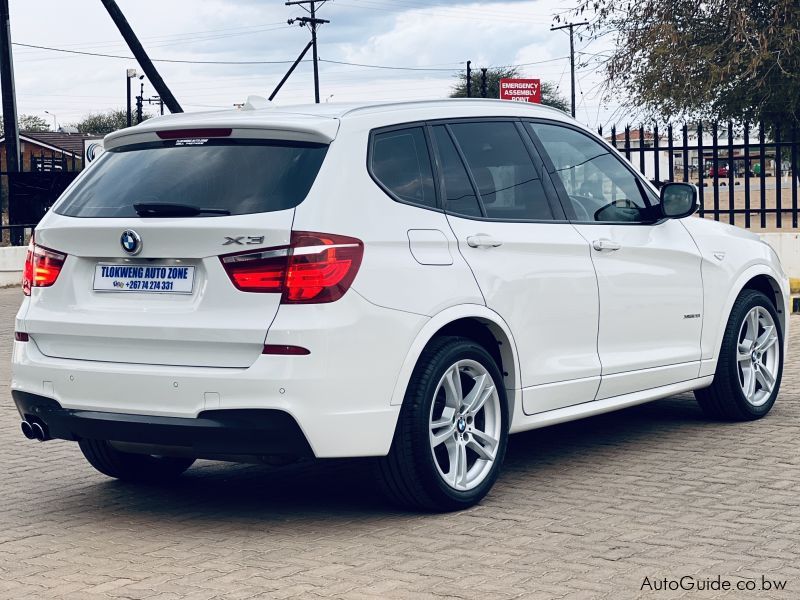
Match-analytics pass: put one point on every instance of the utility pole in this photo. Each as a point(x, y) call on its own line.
point(140, 103)
point(571, 27)
point(312, 23)
point(141, 55)
point(9, 92)
point(469, 79)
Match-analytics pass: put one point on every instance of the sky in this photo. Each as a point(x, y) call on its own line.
point(427, 44)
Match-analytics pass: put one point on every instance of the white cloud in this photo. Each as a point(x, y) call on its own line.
point(375, 32)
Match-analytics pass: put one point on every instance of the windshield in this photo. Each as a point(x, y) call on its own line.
point(217, 177)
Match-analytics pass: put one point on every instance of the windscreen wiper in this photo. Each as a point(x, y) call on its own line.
point(163, 209)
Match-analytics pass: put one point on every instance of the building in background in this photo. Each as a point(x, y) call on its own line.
point(46, 151)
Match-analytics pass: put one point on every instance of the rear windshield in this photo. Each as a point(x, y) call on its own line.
point(235, 177)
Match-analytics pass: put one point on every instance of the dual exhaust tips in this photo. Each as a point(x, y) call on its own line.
point(34, 431)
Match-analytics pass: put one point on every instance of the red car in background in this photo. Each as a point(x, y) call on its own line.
point(719, 171)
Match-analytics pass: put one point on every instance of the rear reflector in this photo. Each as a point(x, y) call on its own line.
point(182, 134)
point(42, 267)
point(285, 350)
point(315, 268)
point(21, 336)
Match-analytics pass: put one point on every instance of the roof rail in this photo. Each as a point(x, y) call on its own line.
point(379, 105)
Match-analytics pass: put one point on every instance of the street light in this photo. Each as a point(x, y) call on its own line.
point(129, 75)
point(55, 119)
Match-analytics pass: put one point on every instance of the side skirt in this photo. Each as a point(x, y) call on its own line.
point(597, 407)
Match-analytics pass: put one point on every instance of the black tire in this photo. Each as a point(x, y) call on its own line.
point(139, 468)
point(724, 399)
point(408, 475)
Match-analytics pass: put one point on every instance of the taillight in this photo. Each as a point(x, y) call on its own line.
point(42, 267)
point(314, 268)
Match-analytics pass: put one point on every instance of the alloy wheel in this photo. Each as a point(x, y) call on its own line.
point(758, 356)
point(465, 425)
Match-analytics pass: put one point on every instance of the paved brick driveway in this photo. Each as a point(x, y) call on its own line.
point(583, 510)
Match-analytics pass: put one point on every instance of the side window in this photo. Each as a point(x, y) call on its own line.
point(599, 186)
point(460, 198)
point(401, 162)
point(509, 187)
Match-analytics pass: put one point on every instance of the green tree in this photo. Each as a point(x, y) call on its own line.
point(103, 123)
point(27, 123)
point(550, 95)
point(726, 59)
point(33, 123)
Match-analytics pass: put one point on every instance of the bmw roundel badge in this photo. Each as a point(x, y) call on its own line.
point(131, 242)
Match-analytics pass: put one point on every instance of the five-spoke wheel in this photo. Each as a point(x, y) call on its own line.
point(451, 436)
point(465, 424)
point(758, 355)
point(750, 363)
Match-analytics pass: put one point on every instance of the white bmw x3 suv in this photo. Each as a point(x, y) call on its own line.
point(409, 281)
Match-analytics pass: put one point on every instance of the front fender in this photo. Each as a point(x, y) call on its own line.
point(714, 333)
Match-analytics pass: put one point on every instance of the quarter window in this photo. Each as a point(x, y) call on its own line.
point(509, 187)
point(599, 186)
point(401, 162)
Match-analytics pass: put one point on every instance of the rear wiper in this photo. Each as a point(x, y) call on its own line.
point(158, 209)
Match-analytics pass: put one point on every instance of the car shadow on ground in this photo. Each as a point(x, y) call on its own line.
point(213, 491)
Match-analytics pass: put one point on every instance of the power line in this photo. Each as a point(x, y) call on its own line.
point(160, 38)
point(390, 68)
point(277, 62)
point(164, 60)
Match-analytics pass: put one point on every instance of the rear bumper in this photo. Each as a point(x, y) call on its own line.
point(212, 433)
point(339, 395)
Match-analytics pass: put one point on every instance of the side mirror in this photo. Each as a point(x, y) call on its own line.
point(678, 200)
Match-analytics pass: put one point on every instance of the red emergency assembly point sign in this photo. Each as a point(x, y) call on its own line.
point(521, 90)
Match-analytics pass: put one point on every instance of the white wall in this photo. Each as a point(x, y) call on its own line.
point(12, 258)
point(787, 246)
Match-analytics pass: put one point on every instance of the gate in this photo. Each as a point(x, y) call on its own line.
point(29, 194)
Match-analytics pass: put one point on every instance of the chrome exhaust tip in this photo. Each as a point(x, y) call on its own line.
point(39, 432)
point(27, 430)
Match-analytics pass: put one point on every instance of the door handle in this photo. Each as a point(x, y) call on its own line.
point(604, 244)
point(482, 240)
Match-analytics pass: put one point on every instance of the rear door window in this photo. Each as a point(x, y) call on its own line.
point(401, 163)
point(460, 198)
point(223, 177)
point(509, 186)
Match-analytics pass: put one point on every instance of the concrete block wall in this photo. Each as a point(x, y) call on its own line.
point(787, 246)
point(12, 259)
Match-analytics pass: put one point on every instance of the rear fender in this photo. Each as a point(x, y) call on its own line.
point(474, 311)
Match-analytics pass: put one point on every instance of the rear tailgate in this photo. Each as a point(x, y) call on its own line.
point(170, 302)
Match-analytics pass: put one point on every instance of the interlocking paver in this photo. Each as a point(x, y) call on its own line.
point(582, 510)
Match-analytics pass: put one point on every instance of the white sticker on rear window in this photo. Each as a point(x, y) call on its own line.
point(191, 142)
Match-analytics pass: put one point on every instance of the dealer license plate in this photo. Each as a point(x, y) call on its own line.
point(158, 279)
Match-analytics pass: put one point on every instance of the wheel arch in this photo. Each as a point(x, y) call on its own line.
point(763, 279)
point(475, 322)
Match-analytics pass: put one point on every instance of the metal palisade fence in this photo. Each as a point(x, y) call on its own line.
point(29, 193)
point(747, 174)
